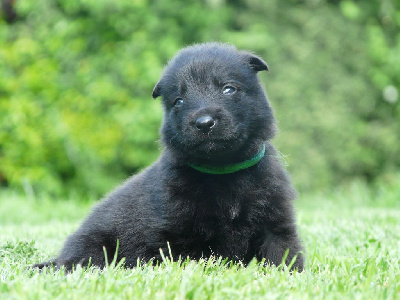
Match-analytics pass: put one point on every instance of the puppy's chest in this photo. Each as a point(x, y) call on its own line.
point(211, 227)
point(213, 216)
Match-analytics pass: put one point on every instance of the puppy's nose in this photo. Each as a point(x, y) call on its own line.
point(205, 123)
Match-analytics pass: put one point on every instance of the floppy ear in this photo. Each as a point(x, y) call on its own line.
point(255, 62)
point(156, 90)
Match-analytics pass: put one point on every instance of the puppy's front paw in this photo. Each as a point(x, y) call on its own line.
point(52, 265)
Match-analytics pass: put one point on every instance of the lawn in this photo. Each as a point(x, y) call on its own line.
point(352, 237)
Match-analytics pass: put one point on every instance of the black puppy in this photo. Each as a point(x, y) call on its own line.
point(218, 187)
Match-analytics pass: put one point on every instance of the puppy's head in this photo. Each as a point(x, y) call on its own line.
point(215, 110)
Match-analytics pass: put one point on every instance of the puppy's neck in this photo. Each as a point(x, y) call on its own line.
point(230, 168)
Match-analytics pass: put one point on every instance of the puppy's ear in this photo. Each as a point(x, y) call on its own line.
point(255, 62)
point(157, 90)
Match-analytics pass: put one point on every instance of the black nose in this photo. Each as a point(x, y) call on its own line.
point(205, 123)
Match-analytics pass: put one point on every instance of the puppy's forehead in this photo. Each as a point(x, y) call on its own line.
point(200, 76)
point(205, 66)
point(210, 71)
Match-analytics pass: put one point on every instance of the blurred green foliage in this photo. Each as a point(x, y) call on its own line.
point(76, 80)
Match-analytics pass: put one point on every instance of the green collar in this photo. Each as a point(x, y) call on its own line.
point(218, 170)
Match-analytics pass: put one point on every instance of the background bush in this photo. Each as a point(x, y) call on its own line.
point(76, 78)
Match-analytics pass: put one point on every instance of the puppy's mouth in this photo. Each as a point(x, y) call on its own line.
point(214, 146)
point(217, 142)
point(209, 147)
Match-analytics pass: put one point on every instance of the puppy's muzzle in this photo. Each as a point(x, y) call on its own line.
point(205, 123)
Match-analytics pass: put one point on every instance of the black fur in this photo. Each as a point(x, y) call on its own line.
point(241, 215)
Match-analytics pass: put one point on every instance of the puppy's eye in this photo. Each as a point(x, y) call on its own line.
point(178, 102)
point(228, 90)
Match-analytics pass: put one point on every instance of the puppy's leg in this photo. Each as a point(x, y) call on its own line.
point(83, 248)
point(274, 247)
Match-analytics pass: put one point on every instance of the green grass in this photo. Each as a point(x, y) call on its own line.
point(352, 236)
